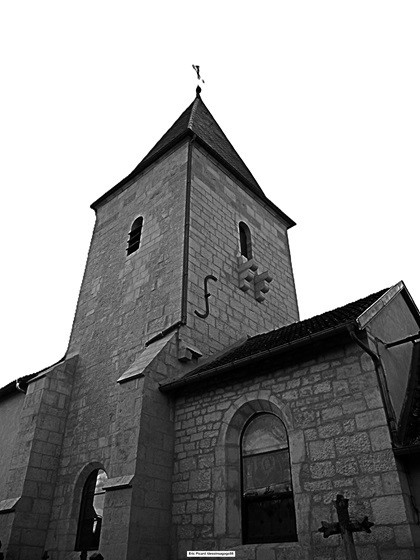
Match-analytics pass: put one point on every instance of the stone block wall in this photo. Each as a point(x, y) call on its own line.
point(339, 444)
point(10, 411)
point(218, 204)
point(146, 504)
point(33, 468)
point(124, 300)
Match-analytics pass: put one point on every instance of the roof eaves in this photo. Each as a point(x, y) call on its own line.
point(236, 173)
point(8, 389)
point(144, 164)
point(17, 386)
point(20, 384)
point(242, 362)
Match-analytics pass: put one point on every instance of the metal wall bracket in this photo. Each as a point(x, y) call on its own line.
point(206, 296)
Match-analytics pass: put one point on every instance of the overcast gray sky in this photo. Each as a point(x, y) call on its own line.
point(320, 99)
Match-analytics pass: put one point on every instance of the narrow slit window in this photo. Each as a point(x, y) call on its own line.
point(91, 511)
point(268, 511)
point(245, 240)
point(135, 235)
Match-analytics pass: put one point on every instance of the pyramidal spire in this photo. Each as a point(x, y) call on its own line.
point(197, 120)
point(197, 123)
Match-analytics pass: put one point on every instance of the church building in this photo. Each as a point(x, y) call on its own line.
point(193, 410)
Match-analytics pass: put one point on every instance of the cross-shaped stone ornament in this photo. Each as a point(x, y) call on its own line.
point(345, 527)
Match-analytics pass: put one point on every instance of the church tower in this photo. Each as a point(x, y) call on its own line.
point(187, 257)
point(189, 210)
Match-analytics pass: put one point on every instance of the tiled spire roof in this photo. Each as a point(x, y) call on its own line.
point(197, 121)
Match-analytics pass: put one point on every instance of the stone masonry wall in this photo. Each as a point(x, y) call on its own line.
point(123, 302)
point(33, 468)
point(339, 443)
point(218, 204)
point(137, 520)
point(125, 298)
point(11, 408)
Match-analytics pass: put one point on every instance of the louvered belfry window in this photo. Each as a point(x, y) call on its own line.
point(268, 512)
point(135, 235)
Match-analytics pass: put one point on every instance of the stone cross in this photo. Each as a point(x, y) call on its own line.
point(345, 527)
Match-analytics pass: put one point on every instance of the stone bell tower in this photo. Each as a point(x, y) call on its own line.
point(187, 257)
point(202, 213)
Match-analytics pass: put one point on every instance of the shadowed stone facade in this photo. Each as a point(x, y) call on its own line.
point(157, 394)
point(339, 442)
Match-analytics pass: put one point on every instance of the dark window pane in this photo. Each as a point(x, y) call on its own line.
point(269, 520)
point(245, 240)
point(244, 248)
point(91, 512)
point(135, 235)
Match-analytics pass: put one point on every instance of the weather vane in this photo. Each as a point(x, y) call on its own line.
point(199, 78)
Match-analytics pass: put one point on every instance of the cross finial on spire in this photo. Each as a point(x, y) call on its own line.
point(199, 78)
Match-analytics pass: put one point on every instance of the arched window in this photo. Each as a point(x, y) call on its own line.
point(245, 240)
point(268, 513)
point(91, 511)
point(134, 237)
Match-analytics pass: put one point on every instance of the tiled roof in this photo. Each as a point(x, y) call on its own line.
point(259, 344)
point(198, 119)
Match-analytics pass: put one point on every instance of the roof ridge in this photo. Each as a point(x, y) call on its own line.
point(359, 301)
point(226, 139)
point(194, 106)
